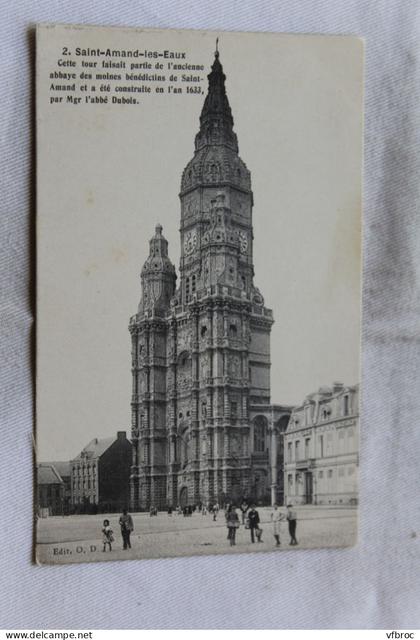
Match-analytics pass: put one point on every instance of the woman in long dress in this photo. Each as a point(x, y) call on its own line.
point(276, 517)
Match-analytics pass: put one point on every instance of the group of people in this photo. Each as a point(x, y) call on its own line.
point(251, 521)
point(126, 526)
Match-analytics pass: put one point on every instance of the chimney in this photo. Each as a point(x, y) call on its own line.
point(121, 435)
point(337, 386)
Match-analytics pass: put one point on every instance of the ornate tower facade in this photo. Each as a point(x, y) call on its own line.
point(201, 352)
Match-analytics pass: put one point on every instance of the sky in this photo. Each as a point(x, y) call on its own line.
point(108, 174)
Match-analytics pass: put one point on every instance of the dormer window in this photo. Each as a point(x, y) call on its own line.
point(346, 405)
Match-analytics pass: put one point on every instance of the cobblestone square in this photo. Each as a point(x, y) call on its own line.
point(79, 539)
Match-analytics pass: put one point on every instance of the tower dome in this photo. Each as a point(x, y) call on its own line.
point(157, 276)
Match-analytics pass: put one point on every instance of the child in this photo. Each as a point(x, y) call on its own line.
point(107, 536)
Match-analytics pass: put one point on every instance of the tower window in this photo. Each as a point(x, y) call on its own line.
point(193, 284)
point(203, 330)
point(233, 330)
point(259, 434)
point(187, 289)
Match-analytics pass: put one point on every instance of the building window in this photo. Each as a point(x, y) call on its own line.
point(233, 330)
point(320, 475)
point(307, 445)
point(321, 446)
point(341, 443)
point(330, 473)
point(193, 284)
point(234, 410)
point(290, 483)
point(203, 331)
point(297, 450)
point(259, 434)
point(187, 289)
point(289, 452)
point(346, 405)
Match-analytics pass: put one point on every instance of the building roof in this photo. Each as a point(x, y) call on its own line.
point(62, 466)
point(48, 474)
point(96, 447)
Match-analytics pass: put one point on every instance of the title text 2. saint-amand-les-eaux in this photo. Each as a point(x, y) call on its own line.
point(203, 427)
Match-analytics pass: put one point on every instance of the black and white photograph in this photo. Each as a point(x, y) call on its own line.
point(198, 292)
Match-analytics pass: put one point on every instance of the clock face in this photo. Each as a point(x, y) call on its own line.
point(243, 241)
point(190, 242)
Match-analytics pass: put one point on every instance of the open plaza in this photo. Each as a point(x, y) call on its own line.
point(79, 538)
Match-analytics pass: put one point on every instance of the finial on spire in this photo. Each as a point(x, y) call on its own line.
point(158, 229)
point(216, 53)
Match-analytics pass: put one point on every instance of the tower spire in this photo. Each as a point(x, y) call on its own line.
point(216, 121)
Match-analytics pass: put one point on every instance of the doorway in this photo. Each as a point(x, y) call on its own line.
point(183, 497)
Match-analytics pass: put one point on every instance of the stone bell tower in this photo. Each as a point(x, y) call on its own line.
point(201, 353)
point(149, 329)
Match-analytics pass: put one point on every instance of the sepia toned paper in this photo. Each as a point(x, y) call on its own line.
point(227, 374)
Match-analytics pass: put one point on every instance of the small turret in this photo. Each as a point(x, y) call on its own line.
point(158, 277)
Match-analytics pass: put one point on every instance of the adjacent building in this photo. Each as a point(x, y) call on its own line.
point(100, 474)
point(63, 468)
point(321, 448)
point(50, 490)
point(203, 426)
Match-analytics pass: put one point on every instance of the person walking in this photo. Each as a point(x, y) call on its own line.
point(254, 524)
point(215, 511)
point(244, 508)
point(232, 523)
point(107, 535)
point(127, 527)
point(292, 521)
point(276, 518)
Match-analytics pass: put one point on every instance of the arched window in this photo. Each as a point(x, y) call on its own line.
point(260, 429)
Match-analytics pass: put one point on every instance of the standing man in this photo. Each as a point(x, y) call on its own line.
point(127, 526)
point(292, 520)
point(254, 524)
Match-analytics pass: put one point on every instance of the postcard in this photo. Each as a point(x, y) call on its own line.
point(198, 292)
